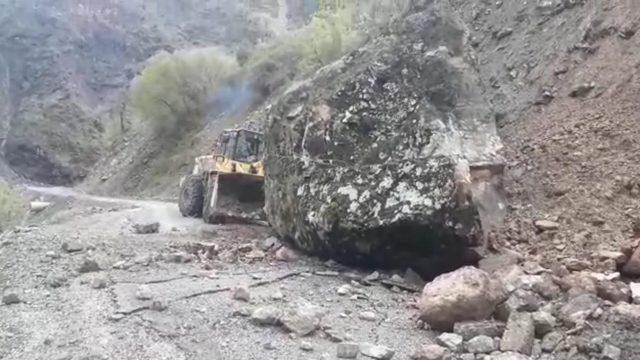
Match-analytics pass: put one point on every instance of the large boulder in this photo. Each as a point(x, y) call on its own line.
point(463, 295)
point(377, 154)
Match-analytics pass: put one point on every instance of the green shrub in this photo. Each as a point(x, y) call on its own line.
point(172, 91)
point(13, 206)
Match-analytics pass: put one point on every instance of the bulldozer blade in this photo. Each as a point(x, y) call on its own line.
point(234, 198)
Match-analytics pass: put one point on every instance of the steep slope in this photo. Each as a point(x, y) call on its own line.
point(64, 64)
point(564, 78)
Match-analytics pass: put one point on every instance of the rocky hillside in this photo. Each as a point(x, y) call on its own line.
point(65, 64)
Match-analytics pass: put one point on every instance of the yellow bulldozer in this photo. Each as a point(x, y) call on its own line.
point(227, 186)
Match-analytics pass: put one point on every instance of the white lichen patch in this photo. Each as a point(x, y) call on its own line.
point(349, 191)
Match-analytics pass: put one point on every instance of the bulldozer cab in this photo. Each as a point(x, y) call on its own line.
point(240, 145)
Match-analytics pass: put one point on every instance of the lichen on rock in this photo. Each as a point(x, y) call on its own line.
point(370, 156)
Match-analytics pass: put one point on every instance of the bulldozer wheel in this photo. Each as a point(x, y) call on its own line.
point(192, 196)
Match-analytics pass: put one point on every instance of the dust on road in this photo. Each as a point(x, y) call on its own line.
point(169, 295)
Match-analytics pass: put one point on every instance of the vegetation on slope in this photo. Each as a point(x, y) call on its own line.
point(176, 92)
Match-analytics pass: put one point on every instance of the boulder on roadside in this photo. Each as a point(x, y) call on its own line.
point(462, 295)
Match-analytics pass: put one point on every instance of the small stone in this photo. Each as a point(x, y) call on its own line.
point(245, 248)
point(618, 256)
point(397, 278)
point(632, 267)
point(367, 316)
point(121, 265)
point(269, 243)
point(178, 258)
point(143, 293)
point(582, 90)
point(303, 319)
point(481, 345)
point(344, 290)
point(157, 305)
point(52, 255)
point(508, 356)
point(374, 276)
point(519, 301)
point(267, 315)
point(241, 294)
point(143, 228)
point(269, 346)
point(576, 264)
point(551, 340)
point(11, 298)
point(610, 352)
point(546, 225)
point(72, 246)
point(277, 295)
point(635, 292)
point(143, 260)
point(544, 323)
point(413, 278)
point(519, 335)
point(98, 282)
point(88, 265)
point(578, 309)
point(471, 329)
point(430, 352)
point(453, 342)
point(55, 281)
point(613, 291)
point(306, 346)
point(348, 351)
point(285, 254)
point(378, 352)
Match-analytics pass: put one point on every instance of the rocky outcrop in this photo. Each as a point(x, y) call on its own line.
point(372, 156)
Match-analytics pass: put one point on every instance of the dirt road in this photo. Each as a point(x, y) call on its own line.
point(169, 295)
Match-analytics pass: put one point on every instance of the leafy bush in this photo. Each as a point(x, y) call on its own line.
point(13, 206)
point(172, 92)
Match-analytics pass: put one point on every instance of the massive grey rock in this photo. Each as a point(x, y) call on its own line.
point(465, 294)
point(371, 156)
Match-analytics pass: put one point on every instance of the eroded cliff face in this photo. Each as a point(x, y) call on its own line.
point(64, 64)
point(372, 156)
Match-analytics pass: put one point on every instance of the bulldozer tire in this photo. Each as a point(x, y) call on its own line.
point(192, 196)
